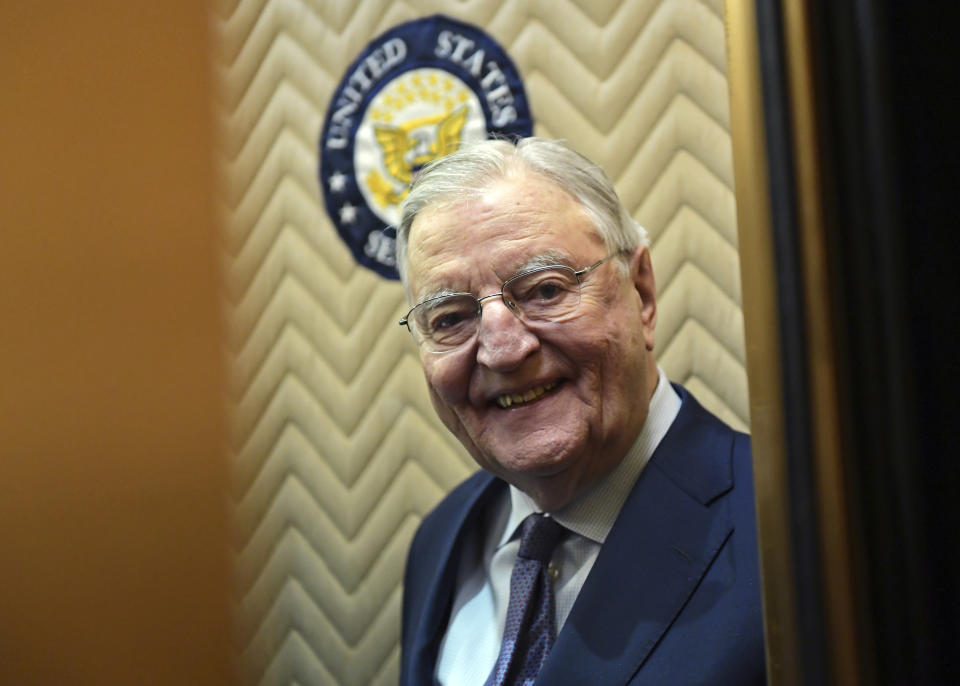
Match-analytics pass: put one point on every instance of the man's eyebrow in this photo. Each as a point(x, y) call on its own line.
point(437, 293)
point(548, 258)
point(545, 259)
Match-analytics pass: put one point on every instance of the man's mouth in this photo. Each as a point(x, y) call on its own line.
point(513, 399)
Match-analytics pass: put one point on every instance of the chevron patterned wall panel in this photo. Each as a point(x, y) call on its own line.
point(337, 452)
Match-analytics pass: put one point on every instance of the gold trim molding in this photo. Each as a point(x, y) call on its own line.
point(762, 339)
point(763, 348)
point(832, 506)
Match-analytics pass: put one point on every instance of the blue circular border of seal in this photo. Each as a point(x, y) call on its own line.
point(346, 111)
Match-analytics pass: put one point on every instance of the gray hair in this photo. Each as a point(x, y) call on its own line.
point(468, 171)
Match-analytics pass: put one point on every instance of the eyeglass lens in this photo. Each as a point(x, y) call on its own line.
point(540, 295)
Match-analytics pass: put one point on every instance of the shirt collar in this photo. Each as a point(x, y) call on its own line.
point(593, 513)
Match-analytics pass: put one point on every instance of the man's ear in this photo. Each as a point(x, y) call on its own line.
point(641, 273)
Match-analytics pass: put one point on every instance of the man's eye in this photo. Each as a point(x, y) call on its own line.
point(543, 291)
point(446, 320)
point(548, 290)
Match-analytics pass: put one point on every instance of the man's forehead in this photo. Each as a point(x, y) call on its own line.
point(518, 191)
point(433, 278)
point(504, 208)
point(514, 224)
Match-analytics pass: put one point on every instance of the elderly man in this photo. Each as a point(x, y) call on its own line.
point(609, 537)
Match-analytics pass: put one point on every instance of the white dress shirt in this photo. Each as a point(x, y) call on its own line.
point(472, 641)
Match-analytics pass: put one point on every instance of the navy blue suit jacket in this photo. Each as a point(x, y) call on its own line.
point(674, 595)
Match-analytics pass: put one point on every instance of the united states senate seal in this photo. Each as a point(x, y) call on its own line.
point(416, 92)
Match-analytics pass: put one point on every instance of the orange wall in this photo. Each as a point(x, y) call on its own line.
point(114, 561)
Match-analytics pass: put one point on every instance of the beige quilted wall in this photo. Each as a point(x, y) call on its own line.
point(337, 451)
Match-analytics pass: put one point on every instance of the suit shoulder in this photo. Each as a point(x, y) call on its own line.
point(701, 454)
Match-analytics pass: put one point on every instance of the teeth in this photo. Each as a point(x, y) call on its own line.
point(510, 399)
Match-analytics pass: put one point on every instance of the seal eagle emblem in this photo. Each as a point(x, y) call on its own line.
point(417, 92)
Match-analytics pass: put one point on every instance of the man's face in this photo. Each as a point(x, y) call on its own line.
point(580, 389)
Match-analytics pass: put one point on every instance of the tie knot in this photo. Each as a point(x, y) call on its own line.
point(539, 535)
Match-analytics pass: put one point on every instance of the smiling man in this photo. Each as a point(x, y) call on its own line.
point(610, 535)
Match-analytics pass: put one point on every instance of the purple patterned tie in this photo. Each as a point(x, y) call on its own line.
point(529, 631)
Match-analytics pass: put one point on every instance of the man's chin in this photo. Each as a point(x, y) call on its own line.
point(550, 477)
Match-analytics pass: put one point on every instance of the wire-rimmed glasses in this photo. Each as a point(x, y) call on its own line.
point(543, 294)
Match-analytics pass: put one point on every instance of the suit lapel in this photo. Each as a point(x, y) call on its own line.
point(667, 535)
point(459, 527)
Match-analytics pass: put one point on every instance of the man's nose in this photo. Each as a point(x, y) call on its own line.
point(503, 341)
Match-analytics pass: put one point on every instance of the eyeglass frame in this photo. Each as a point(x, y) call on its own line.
point(512, 306)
